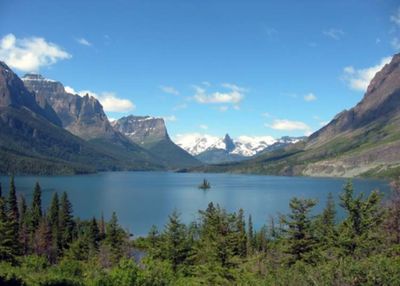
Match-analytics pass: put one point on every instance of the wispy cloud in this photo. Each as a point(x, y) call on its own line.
point(203, 126)
point(289, 125)
point(359, 79)
point(395, 43)
point(109, 100)
point(233, 95)
point(335, 34)
point(30, 54)
point(310, 97)
point(395, 18)
point(84, 42)
point(169, 89)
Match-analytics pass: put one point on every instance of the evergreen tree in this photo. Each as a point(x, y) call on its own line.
point(359, 229)
point(43, 239)
point(115, 237)
point(66, 225)
point(241, 236)
point(392, 221)
point(13, 215)
point(94, 234)
point(300, 237)
point(36, 209)
point(23, 226)
point(54, 221)
point(325, 228)
point(176, 249)
point(102, 228)
point(7, 249)
point(250, 237)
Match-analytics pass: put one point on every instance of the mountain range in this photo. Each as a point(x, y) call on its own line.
point(362, 141)
point(46, 130)
point(213, 150)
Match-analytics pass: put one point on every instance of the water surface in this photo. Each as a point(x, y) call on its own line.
point(142, 199)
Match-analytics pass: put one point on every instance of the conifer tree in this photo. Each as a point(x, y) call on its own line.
point(250, 237)
point(94, 234)
point(326, 224)
point(176, 249)
point(102, 228)
point(23, 226)
point(7, 249)
point(241, 239)
point(36, 209)
point(66, 225)
point(13, 215)
point(299, 233)
point(54, 221)
point(43, 239)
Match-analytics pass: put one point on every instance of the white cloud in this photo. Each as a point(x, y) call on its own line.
point(266, 114)
point(84, 42)
point(170, 118)
point(332, 33)
point(359, 79)
point(170, 90)
point(289, 125)
point(310, 97)
point(109, 100)
point(203, 126)
point(395, 43)
point(395, 18)
point(234, 95)
point(30, 54)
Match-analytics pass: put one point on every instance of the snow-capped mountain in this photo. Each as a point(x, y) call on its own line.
point(212, 149)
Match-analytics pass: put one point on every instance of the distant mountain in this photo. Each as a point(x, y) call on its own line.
point(33, 141)
point(84, 117)
point(151, 134)
point(362, 141)
point(213, 150)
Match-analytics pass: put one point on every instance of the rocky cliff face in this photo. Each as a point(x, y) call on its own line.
point(13, 93)
point(142, 130)
point(81, 115)
point(380, 105)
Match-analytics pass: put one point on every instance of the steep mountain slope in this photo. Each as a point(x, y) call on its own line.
point(32, 142)
point(84, 117)
point(214, 150)
point(151, 134)
point(362, 141)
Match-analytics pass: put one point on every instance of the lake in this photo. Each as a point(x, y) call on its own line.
point(142, 199)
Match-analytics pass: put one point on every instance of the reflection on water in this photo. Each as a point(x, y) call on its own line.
point(142, 199)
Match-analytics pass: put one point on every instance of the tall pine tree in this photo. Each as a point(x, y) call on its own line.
point(66, 226)
point(13, 214)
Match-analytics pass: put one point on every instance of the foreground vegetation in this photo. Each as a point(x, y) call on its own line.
point(50, 247)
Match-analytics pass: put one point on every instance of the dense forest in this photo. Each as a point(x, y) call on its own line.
point(49, 246)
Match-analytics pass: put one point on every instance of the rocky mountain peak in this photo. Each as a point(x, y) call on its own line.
point(14, 93)
point(142, 129)
point(81, 115)
point(380, 104)
point(229, 144)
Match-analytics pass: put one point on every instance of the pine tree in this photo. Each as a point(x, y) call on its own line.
point(66, 225)
point(43, 239)
point(114, 237)
point(300, 237)
point(392, 221)
point(7, 249)
point(326, 225)
point(176, 249)
point(54, 221)
point(102, 228)
point(13, 215)
point(94, 234)
point(23, 226)
point(241, 243)
point(359, 229)
point(250, 237)
point(36, 208)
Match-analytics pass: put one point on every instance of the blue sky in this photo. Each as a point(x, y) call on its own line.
point(243, 67)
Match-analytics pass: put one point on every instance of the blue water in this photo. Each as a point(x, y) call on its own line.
point(142, 199)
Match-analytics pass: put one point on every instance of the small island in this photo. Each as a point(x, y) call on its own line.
point(205, 185)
